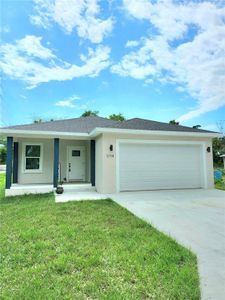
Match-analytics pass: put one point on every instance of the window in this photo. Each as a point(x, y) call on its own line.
point(32, 157)
point(75, 152)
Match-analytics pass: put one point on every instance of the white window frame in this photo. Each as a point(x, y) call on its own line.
point(24, 158)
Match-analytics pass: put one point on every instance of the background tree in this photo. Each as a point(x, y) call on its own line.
point(197, 126)
point(117, 117)
point(36, 121)
point(219, 145)
point(221, 126)
point(174, 122)
point(40, 120)
point(2, 155)
point(90, 113)
point(218, 149)
point(2, 150)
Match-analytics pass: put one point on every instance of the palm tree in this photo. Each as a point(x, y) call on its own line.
point(90, 113)
point(117, 117)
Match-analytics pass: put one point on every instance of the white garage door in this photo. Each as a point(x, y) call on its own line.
point(159, 166)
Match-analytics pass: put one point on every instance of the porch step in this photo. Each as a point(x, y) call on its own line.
point(17, 190)
point(21, 189)
point(78, 186)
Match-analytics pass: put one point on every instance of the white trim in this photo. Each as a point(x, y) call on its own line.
point(204, 166)
point(136, 141)
point(24, 170)
point(132, 141)
point(67, 159)
point(99, 130)
point(117, 166)
point(39, 133)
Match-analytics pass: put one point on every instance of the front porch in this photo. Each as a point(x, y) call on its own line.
point(72, 191)
point(38, 165)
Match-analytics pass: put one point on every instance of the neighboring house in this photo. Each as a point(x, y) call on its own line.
point(113, 156)
point(223, 157)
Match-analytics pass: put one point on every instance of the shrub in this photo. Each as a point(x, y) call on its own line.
point(2, 155)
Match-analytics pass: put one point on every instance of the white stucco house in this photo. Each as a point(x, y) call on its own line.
point(112, 156)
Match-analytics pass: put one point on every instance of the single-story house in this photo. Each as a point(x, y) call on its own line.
point(223, 157)
point(113, 156)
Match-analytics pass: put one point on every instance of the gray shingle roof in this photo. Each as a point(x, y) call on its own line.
point(82, 124)
point(87, 124)
point(142, 124)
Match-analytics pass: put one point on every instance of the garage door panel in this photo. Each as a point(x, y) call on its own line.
point(159, 166)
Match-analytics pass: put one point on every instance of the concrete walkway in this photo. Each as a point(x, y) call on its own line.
point(196, 219)
point(2, 169)
point(79, 192)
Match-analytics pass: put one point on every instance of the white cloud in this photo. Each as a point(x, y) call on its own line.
point(31, 45)
point(131, 44)
point(140, 9)
point(135, 64)
point(23, 97)
point(81, 15)
point(5, 29)
point(28, 60)
point(188, 49)
point(67, 102)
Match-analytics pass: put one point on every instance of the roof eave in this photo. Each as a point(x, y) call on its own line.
point(99, 130)
point(95, 132)
point(43, 134)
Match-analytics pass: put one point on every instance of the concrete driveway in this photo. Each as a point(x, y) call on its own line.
point(196, 219)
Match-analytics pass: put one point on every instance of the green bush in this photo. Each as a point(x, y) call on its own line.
point(2, 155)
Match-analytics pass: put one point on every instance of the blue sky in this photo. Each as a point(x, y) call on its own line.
point(158, 60)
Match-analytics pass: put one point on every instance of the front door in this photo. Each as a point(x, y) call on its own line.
point(76, 163)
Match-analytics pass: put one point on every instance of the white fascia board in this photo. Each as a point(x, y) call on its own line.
point(99, 130)
point(43, 134)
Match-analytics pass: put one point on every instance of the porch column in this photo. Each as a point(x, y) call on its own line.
point(56, 162)
point(15, 162)
point(9, 162)
point(93, 162)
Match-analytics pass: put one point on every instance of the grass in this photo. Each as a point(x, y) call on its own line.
point(220, 184)
point(88, 250)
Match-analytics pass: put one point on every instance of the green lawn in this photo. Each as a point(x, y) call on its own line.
point(88, 250)
point(220, 184)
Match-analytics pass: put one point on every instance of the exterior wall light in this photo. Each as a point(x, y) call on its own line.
point(208, 149)
point(111, 147)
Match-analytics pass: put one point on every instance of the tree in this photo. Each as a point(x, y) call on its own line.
point(174, 122)
point(221, 126)
point(36, 121)
point(2, 155)
point(117, 117)
point(218, 149)
point(90, 113)
point(197, 126)
point(39, 120)
point(3, 140)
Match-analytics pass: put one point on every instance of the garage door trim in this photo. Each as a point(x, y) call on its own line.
point(160, 142)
